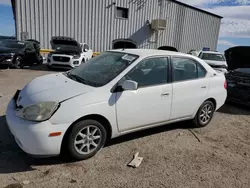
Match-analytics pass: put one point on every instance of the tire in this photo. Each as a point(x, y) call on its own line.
point(17, 63)
point(203, 117)
point(79, 141)
point(49, 67)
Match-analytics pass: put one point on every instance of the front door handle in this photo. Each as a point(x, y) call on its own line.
point(164, 94)
point(204, 87)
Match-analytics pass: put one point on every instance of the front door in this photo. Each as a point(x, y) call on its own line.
point(151, 102)
point(190, 87)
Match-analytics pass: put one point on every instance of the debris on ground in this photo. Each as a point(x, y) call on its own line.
point(26, 182)
point(73, 181)
point(1, 95)
point(194, 135)
point(136, 161)
point(180, 134)
point(14, 185)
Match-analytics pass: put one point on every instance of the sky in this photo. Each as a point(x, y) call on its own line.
point(234, 30)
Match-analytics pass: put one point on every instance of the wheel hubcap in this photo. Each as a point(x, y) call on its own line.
point(18, 61)
point(206, 113)
point(87, 139)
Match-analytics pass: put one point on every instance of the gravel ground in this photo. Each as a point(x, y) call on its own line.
point(173, 156)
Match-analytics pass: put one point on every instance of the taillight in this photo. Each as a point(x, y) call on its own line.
point(225, 84)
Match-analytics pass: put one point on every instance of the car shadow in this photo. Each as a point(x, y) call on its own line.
point(150, 132)
point(234, 109)
point(13, 159)
point(43, 67)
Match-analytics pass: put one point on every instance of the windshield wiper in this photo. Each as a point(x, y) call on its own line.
point(76, 78)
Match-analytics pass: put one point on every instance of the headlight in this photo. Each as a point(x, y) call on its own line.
point(76, 56)
point(38, 112)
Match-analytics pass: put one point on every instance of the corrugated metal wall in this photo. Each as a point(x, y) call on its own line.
point(94, 22)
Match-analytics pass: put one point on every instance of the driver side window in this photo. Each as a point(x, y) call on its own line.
point(153, 71)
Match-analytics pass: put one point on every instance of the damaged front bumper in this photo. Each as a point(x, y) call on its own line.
point(6, 60)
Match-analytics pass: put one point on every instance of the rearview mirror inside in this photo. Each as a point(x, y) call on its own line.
point(129, 85)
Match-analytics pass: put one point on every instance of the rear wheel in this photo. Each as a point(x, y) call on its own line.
point(86, 138)
point(204, 114)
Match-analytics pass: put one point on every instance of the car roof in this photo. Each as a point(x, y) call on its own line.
point(143, 53)
point(211, 52)
point(151, 52)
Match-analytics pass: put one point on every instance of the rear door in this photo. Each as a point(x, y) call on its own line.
point(190, 86)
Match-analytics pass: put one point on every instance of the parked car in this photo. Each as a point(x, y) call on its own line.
point(215, 59)
point(238, 77)
point(17, 54)
point(168, 48)
point(68, 53)
point(123, 43)
point(115, 93)
point(194, 52)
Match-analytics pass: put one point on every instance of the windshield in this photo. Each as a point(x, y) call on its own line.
point(212, 57)
point(102, 69)
point(12, 44)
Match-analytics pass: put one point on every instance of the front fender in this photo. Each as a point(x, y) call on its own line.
point(72, 110)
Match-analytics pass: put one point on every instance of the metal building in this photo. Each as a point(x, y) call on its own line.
point(99, 22)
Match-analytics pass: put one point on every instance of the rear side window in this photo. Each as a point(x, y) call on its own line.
point(201, 71)
point(186, 69)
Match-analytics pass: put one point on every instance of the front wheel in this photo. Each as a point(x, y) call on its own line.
point(18, 62)
point(204, 114)
point(86, 138)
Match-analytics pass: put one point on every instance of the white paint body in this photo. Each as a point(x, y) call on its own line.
point(84, 56)
point(126, 111)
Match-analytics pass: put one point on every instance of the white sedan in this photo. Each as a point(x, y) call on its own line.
point(115, 93)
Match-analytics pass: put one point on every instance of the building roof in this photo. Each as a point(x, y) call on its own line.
point(195, 8)
point(174, 1)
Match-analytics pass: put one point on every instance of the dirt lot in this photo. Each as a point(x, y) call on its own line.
point(173, 157)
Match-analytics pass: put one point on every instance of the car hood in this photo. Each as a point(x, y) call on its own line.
point(216, 63)
point(53, 87)
point(65, 44)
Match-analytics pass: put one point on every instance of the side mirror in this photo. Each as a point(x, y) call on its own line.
point(129, 85)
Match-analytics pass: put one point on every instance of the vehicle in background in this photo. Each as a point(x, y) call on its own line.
point(123, 43)
point(14, 53)
point(168, 48)
point(115, 93)
point(68, 53)
point(238, 77)
point(194, 53)
point(215, 59)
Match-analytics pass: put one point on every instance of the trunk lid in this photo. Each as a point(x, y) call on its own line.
point(238, 57)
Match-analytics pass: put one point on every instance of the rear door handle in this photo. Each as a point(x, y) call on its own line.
point(164, 94)
point(204, 87)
